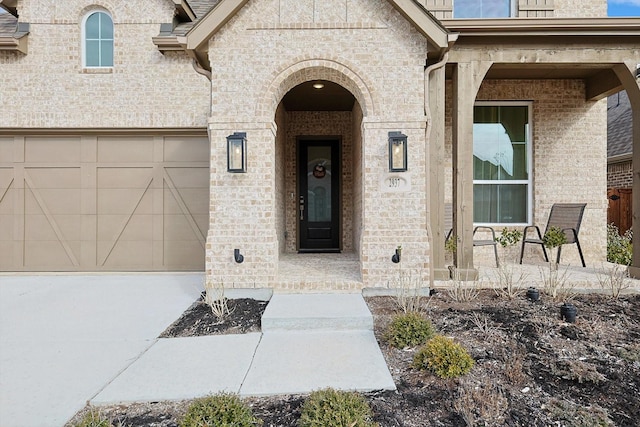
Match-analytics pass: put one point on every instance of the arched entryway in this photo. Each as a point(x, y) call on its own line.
point(318, 163)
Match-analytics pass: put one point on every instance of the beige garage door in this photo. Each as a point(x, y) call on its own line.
point(103, 203)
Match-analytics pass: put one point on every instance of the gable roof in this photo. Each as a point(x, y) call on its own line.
point(214, 14)
point(619, 126)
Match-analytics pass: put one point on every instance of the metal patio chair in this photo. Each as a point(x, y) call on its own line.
point(565, 216)
point(448, 223)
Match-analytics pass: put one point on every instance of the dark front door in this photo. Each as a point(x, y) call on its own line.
point(319, 195)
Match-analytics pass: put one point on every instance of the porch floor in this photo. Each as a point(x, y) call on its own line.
point(319, 272)
point(577, 278)
point(340, 272)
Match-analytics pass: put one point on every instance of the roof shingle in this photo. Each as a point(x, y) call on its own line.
point(619, 125)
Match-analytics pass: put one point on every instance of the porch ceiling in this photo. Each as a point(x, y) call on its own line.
point(600, 79)
point(332, 97)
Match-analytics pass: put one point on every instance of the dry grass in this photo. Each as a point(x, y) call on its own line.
point(614, 280)
point(460, 291)
point(215, 299)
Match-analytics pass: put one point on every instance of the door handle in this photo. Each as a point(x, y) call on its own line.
point(301, 207)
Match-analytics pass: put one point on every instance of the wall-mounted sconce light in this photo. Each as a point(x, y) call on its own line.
point(397, 152)
point(237, 152)
point(238, 256)
point(397, 257)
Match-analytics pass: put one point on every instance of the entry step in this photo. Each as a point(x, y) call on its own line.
point(316, 312)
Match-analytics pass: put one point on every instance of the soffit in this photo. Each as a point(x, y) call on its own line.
point(508, 38)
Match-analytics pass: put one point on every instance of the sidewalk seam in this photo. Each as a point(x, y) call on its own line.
point(253, 358)
point(120, 372)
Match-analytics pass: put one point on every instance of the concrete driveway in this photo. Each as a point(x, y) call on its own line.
point(64, 337)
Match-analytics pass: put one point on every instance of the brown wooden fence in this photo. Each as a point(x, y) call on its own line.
point(620, 211)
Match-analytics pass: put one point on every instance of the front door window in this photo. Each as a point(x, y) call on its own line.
point(319, 196)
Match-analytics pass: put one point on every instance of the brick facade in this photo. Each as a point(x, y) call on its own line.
point(267, 48)
point(49, 88)
point(620, 175)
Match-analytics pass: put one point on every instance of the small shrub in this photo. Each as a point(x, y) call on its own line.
point(443, 357)
point(93, 418)
point(509, 237)
point(408, 330)
point(332, 408)
point(221, 410)
point(565, 412)
point(631, 353)
point(553, 238)
point(619, 248)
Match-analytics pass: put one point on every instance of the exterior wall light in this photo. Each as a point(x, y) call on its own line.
point(237, 152)
point(397, 152)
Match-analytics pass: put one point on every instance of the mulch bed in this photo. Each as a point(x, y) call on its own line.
point(531, 368)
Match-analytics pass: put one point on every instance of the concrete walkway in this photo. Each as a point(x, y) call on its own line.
point(69, 339)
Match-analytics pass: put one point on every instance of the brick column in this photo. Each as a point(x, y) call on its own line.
point(242, 209)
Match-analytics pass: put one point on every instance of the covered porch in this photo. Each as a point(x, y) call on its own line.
point(532, 60)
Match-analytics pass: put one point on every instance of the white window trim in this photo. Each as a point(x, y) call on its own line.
point(513, 7)
point(529, 182)
point(84, 41)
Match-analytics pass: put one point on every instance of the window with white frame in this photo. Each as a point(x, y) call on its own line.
point(98, 40)
point(502, 170)
point(483, 8)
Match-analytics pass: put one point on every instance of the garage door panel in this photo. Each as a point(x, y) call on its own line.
point(189, 177)
point(124, 178)
point(183, 254)
point(51, 201)
point(126, 254)
point(42, 227)
point(7, 249)
point(125, 149)
point(119, 209)
point(193, 200)
point(7, 199)
point(50, 254)
point(60, 150)
point(179, 228)
point(186, 149)
point(6, 150)
point(54, 178)
point(125, 201)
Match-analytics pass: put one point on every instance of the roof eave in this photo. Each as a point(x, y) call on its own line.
point(18, 42)
point(169, 43)
point(620, 158)
point(544, 26)
point(204, 29)
point(430, 27)
point(184, 11)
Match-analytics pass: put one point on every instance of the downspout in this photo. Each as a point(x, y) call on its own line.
point(427, 130)
point(200, 70)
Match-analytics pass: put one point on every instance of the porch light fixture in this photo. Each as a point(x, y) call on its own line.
point(318, 85)
point(397, 152)
point(237, 152)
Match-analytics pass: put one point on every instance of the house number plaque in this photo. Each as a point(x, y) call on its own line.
point(396, 184)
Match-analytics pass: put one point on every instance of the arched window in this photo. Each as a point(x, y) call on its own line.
point(98, 40)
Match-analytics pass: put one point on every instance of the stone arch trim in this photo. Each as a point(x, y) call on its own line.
point(103, 6)
point(306, 69)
